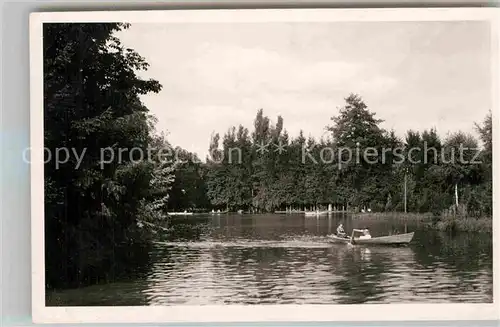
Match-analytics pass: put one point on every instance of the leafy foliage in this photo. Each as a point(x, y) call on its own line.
point(94, 212)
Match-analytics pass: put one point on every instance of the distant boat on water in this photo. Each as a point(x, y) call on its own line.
point(218, 212)
point(331, 209)
point(315, 213)
point(184, 213)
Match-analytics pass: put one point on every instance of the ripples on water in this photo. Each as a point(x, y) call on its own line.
point(283, 261)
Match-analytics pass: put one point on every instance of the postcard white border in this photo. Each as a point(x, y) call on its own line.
point(241, 313)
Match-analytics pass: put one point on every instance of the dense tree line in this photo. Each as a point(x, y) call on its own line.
point(309, 173)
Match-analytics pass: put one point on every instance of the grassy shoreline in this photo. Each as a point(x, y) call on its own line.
point(465, 224)
point(440, 223)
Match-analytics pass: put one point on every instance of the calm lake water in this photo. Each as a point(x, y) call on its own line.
point(285, 259)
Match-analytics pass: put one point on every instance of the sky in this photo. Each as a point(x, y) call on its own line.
point(413, 75)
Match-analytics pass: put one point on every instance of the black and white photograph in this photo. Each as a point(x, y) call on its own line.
point(275, 159)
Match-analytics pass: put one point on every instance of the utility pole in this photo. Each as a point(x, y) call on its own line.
point(405, 190)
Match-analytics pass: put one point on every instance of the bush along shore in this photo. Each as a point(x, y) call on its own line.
point(447, 221)
point(459, 219)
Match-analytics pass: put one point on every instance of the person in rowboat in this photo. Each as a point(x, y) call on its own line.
point(366, 235)
point(340, 231)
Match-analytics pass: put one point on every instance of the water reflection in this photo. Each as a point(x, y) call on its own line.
point(224, 259)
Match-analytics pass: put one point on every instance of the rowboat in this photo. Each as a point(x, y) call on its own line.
point(315, 213)
point(180, 213)
point(382, 240)
point(218, 212)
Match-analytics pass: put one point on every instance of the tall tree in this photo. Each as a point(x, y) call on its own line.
point(484, 191)
point(356, 133)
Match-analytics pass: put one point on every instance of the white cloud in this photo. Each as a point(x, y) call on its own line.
point(221, 85)
point(232, 69)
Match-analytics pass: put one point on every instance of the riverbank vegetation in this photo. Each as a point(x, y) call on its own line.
point(99, 218)
point(453, 223)
point(445, 222)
